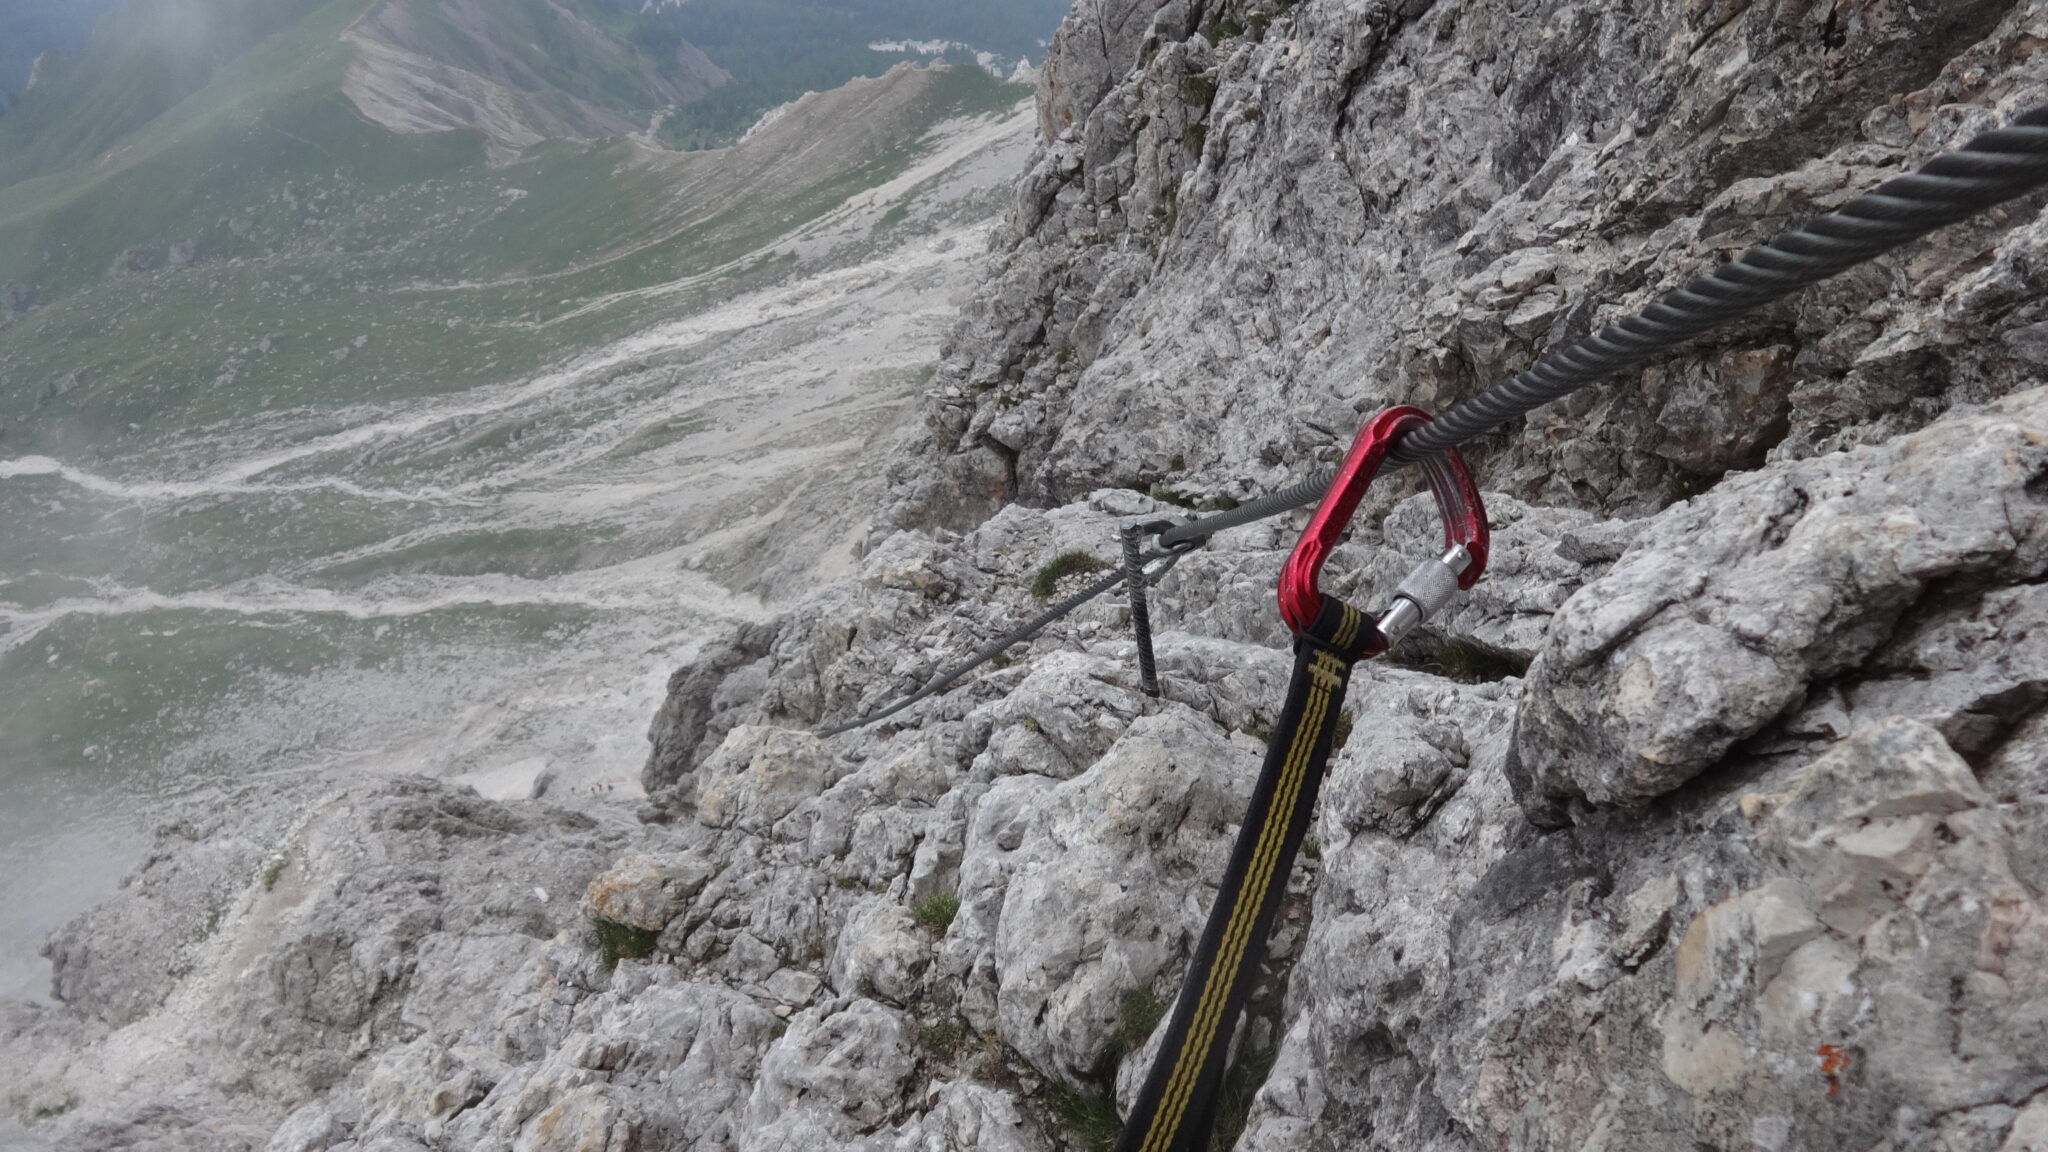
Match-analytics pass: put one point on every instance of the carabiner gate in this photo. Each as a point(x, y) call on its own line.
point(1432, 585)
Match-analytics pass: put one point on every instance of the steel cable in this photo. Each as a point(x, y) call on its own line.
point(947, 677)
point(2000, 165)
point(1996, 166)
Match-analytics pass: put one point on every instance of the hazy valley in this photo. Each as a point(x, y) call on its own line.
point(431, 421)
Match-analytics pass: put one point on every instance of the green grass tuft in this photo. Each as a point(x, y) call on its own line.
point(1059, 568)
point(936, 911)
point(276, 869)
point(1683, 486)
point(945, 1039)
point(1089, 1118)
point(1223, 29)
point(1138, 1012)
point(622, 941)
point(1241, 1086)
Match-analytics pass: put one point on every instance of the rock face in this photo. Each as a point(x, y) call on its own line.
point(1712, 819)
point(1730, 612)
point(1254, 220)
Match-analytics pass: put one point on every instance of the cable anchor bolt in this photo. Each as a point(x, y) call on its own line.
point(1141, 572)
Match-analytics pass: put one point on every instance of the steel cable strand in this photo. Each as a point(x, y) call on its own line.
point(1996, 166)
point(1198, 530)
point(947, 677)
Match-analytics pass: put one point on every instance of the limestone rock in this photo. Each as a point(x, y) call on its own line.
point(1898, 961)
point(646, 892)
point(1074, 893)
point(1728, 608)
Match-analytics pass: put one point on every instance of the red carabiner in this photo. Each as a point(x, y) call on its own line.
point(1457, 498)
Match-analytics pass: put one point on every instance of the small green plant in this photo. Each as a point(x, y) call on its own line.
point(1138, 1012)
point(1223, 29)
point(936, 911)
point(1167, 215)
point(1241, 1086)
point(1059, 568)
point(1089, 1118)
point(992, 1063)
point(1197, 91)
point(622, 941)
point(1683, 486)
point(1196, 138)
point(945, 1039)
point(275, 870)
point(1165, 495)
point(52, 1111)
point(1218, 504)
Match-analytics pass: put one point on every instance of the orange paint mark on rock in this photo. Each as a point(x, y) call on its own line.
point(1833, 1062)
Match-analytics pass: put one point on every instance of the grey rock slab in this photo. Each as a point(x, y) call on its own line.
point(1074, 893)
point(1730, 605)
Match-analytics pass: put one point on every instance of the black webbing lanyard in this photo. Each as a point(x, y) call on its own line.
point(1177, 1107)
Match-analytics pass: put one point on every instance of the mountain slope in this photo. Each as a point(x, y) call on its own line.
point(777, 50)
point(30, 28)
point(305, 226)
point(144, 56)
point(488, 445)
point(521, 75)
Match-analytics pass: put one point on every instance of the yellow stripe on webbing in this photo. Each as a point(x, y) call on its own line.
point(1326, 676)
point(1347, 628)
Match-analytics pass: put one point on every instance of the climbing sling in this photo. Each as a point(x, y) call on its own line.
point(1176, 1108)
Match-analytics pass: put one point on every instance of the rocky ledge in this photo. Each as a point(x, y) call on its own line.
point(1712, 819)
